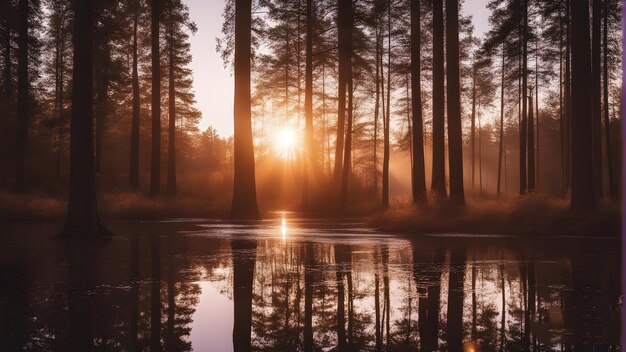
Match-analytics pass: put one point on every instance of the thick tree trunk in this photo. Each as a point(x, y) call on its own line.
point(596, 97)
point(171, 140)
point(135, 124)
point(438, 185)
point(501, 138)
point(82, 210)
point(607, 122)
point(155, 170)
point(419, 173)
point(309, 148)
point(583, 190)
point(244, 204)
point(455, 132)
point(23, 96)
point(347, 21)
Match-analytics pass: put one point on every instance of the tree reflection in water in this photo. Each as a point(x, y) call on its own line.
point(312, 291)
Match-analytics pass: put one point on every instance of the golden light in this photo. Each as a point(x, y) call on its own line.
point(283, 228)
point(286, 143)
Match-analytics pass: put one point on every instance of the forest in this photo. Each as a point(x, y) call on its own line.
point(390, 108)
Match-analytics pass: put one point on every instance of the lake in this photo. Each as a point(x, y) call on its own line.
point(290, 284)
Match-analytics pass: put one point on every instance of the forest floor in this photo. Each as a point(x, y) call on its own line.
point(531, 215)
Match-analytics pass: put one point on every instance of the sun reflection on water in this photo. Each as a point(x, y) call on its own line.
point(283, 228)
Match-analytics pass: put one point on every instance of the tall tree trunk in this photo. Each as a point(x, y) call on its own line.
point(583, 190)
point(155, 171)
point(102, 64)
point(347, 23)
point(82, 210)
point(419, 171)
point(531, 144)
point(386, 131)
point(23, 96)
point(244, 204)
point(607, 122)
point(567, 111)
point(7, 84)
point(438, 185)
point(134, 132)
point(377, 104)
point(561, 105)
point(537, 164)
point(309, 148)
point(501, 138)
point(171, 140)
point(344, 39)
point(523, 128)
point(455, 132)
point(473, 127)
point(596, 96)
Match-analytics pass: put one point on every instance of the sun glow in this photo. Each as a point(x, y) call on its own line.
point(286, 143)
point(283, 228)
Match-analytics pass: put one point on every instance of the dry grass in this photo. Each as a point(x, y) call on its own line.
point(532, 215)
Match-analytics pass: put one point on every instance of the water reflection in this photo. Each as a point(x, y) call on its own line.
point(178, 286)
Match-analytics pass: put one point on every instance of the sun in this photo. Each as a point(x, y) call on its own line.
point(286, 143)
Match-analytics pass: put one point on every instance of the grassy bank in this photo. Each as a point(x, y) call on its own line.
point(531, 215)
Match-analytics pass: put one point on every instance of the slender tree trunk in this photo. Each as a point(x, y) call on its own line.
point(537, 163)
point(155, 171)
point(347, 22)
point(244, 204)
point(344, 28)
point(583, 189)
point(82, 211)
point(531, 144)
point(438, 185)
point(524, 73)
point(135, 124)
point(377, 104)
point(455, 132)
point(607, 122)
point(386, 151)
point(561, 105)
point(309, 148)
point(23, 96)
point(480, 156)
point(501, 142)
point(473, 127)
point(596, 96)
point(103, 61)
point(419, 171)
point(171, 141)
point(567, 115)
point(7, 84)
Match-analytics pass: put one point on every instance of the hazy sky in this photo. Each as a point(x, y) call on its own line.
point(213, 83)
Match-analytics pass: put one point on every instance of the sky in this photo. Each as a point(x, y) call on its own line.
point(214, 84)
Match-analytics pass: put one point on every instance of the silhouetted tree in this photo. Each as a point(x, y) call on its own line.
point(583, 188)
point(419, 172)
point(155, 169)
point(136, 103)
point(439, 144)
point(244, 204)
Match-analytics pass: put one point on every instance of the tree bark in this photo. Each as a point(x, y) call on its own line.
point(244, 204)
point(583, 190)
point(419, 172)
point(455, 132)
point(155, 171)
point(82, 211)
point(438, 184)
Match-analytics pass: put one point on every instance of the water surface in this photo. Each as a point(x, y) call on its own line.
point(304, 285)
